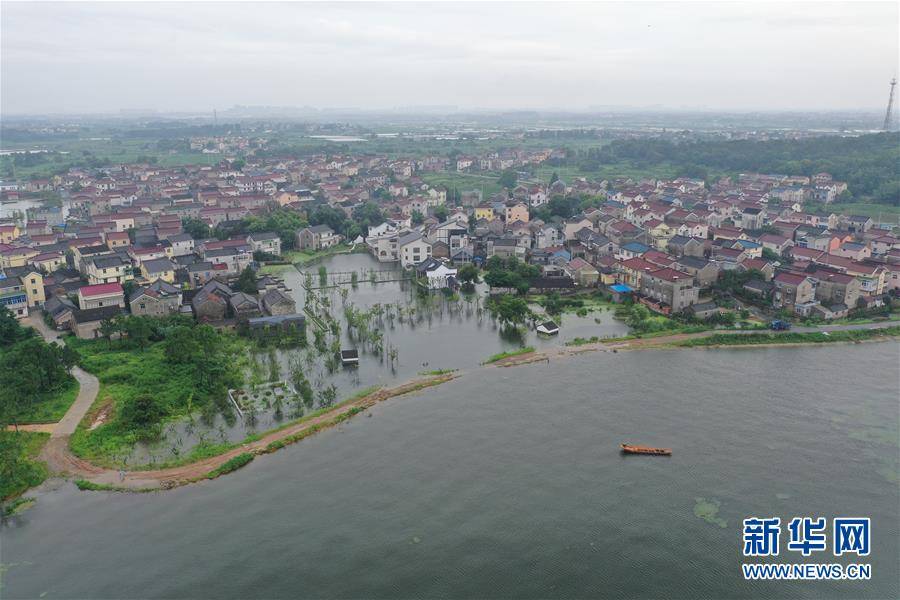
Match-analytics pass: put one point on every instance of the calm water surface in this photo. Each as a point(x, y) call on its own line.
point(507, 483)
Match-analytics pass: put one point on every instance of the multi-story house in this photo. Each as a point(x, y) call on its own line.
point(792, 289)
point(267, 242)
point(670, 287)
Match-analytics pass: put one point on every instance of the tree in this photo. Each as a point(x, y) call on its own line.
point(508, 179)
point(137, 329)
point(11, 331)
point(511, 310)
point(417, 217)
point(141, 413)
point(246, 281)
point(554, 178)
point(441, 213)
point(108, 328)
point(196, 228)
point(468, 274)
point(368, 215)
point(637, 316)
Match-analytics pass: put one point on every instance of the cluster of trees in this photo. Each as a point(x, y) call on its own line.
point(867, 163)
point(510, 273)
point(564, 206)
point(366, 215)
point(511, 311)
point(31, 370)
point(280, 220)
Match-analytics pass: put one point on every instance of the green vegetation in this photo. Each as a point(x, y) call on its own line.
point(280, 220)
point(438, 372)
point(510, 273)
point(35, 381)
point(510, 310)
point(816, 337)
point(867, 163)
point(580, 341)
point(180, 369)
point(580, 303)
point(19, 469)
point(565, 206)
point(500, 356)
point(232, 464)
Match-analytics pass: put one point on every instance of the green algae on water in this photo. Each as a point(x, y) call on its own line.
point(708, 510)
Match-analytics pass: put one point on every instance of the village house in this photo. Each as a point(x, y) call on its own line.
point(182, 244)
point(86, 323)
point(155, 300)
point(266, 242)
point(792, 289)
point(317, 237)
point(705, 273)
point(277, 302)
point(583, 272)
point(210, 303)
point(161, 268)
point(101, 296)
point(14, 296)
point(412, 249)
point(671, 287)
point(244, 306)
point(437, 274)
point(836, 288)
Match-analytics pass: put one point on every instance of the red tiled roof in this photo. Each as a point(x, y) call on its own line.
point(101, 289)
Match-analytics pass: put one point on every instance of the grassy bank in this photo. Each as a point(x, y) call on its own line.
point(19, 467)
point(51, 407)
point(127, 374)
point(765, 339)
point(508, 354)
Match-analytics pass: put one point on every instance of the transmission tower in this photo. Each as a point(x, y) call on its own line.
point(887, 115)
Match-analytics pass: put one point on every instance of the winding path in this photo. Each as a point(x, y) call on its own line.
point(56, 451)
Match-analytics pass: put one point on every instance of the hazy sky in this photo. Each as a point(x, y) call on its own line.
point(102, 57)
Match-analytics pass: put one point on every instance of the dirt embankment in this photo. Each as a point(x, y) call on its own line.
point(61, 460)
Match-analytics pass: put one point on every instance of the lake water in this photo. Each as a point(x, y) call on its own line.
point(507, 483)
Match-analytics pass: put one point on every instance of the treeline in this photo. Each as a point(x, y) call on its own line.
point(867, 163)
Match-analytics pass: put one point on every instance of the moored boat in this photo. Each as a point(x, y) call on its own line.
point(629, 449)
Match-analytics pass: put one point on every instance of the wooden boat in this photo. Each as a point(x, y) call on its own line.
point(629, 449)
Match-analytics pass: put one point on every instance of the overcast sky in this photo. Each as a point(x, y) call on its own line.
point(102, 57)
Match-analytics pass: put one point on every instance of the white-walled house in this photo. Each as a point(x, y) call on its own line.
point(412, 249)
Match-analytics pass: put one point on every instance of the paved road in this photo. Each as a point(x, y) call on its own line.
point(87, 385)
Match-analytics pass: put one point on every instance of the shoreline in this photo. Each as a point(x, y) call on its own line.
point(90, 476)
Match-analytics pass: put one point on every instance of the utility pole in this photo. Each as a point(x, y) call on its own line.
point(887, 115)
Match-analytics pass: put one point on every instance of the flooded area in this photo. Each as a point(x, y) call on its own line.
point(407, 333)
